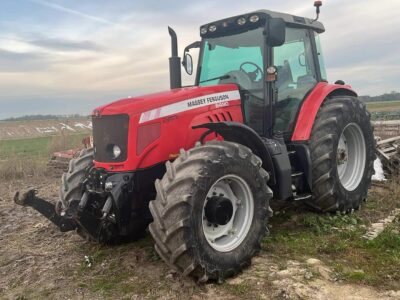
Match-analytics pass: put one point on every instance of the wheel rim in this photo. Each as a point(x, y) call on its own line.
point(351, 157)
point(227, 213)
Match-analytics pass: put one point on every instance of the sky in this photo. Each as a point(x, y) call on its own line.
point(70, 56)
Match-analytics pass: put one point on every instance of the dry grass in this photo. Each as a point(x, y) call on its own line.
point(26, 158)
point(19, 168)
point(65, 141)
point(383, 106)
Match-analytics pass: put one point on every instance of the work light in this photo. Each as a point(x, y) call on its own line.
point(241, 21)
point(254, 19)
point(212, 28)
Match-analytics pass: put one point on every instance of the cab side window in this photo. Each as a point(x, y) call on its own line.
point(296, 76)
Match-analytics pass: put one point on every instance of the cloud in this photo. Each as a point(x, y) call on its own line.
point(74, 12)
point(22, 62)
point(65, 45)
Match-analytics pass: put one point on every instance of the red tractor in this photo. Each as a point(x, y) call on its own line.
point(201, 164)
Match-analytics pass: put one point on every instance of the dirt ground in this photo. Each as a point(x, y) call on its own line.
point(37, 261)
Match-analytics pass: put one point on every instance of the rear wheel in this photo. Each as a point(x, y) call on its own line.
point(342, 153)
point(211, 210)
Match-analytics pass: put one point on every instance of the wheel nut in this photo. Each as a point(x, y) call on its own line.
point(108, 186)
point(232, 231)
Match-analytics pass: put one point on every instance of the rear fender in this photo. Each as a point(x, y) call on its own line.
point(310, 107)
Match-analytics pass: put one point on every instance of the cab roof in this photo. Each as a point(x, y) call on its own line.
point(294, 20)
point(231, 25)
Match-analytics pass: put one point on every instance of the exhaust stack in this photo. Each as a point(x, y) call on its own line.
point(174, 62)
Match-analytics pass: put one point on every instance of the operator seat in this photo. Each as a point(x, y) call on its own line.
point(285, 87)
point(252, 98)
point(285, 79)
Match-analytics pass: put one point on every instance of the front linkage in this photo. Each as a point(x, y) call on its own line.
point(46, 208)
point(104, 212)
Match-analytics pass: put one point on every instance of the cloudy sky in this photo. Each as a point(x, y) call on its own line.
point(69, 56)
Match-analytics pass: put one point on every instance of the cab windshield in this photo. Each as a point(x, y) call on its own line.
point(232, 55)
point(238, 59)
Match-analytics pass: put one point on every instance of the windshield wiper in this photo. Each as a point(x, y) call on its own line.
point(215, 78)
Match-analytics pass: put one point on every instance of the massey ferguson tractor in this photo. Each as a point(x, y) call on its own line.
point(201, 164)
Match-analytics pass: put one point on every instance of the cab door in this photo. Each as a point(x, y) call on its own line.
point(297, 75)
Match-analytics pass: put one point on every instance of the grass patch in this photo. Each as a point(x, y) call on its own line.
point(241, 290)
point(39, 148)
point(383, 106)
point(28, 157)
point(337, 240)
point(33, 148)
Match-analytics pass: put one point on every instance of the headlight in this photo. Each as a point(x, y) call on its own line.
point(116, 151)
point(203, 30)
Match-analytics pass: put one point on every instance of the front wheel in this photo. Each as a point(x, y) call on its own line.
point(211, 210)
point(342, 153)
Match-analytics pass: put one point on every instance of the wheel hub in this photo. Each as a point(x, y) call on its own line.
point(227, 213)
point(351, 156)
point(218, 210)
point(342, 156)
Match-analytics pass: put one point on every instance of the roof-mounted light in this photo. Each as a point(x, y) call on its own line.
point(203, 30)
point(254, 19)
point(212, 28)
point(241, 21)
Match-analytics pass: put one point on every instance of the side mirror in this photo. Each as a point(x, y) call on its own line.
point(276, 32)
point(188, 63)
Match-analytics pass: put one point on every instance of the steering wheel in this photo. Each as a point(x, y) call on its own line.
point(252, 75)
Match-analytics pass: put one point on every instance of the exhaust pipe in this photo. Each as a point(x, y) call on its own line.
point(174, 62)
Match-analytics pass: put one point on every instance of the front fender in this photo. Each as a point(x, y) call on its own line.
point(244, 135)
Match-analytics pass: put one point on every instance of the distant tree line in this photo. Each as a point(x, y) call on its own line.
point(385, 97)
point(44, 117)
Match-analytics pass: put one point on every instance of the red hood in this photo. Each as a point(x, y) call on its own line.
point(147, 102)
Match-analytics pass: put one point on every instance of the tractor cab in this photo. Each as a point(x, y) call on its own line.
point(275, 59)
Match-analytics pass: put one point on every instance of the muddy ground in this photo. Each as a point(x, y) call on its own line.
point(37, 261)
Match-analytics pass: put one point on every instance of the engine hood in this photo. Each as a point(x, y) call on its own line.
point(135, 105)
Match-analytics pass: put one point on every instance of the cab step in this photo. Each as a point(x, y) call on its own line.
point(302, 197)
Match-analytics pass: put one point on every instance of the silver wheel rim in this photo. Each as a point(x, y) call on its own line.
point(351, 156)
point(227, 237)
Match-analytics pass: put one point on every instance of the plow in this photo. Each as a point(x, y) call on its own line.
point(200, 165)
point(389, 153)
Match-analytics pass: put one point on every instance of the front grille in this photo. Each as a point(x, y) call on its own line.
point(109, 131)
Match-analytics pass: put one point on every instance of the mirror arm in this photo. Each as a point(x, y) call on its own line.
point(196, 44)
point(192, 45)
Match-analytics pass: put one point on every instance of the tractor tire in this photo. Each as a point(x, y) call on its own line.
point(342, 153)
point(211, 210)
point(71, 181)
point(71, 184)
